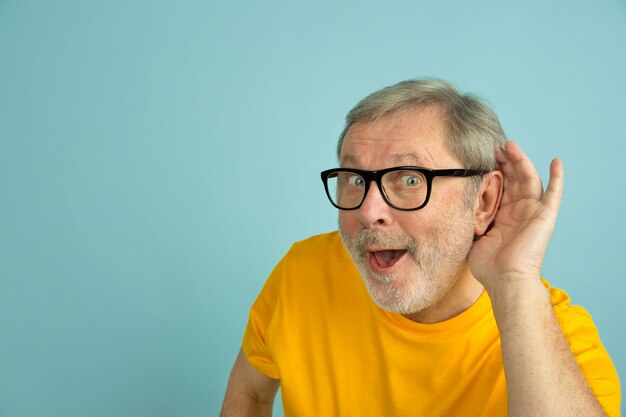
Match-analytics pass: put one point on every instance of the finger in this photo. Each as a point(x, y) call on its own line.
point(554, 191)
point(525, 171)
point(501, 157)
point(525, 181)
point(503, 166)
point(510, 184)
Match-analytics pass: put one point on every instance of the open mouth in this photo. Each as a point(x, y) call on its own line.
point(383, 260)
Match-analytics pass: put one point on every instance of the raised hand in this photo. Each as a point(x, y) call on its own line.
point(513, 249)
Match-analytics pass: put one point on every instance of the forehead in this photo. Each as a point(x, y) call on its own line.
point(415, 137)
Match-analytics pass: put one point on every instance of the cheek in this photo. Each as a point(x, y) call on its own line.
point(418, 225)
point(348, 221)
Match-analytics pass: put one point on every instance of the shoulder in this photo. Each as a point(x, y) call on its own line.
point(319, 264)
point(563, 307)
point(317, 255)
point(570, 317)
point(577, 326)
point(319, 251)
point(317, 244)
point(299, 272)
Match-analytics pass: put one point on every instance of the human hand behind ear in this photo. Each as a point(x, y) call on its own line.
point(513, 247)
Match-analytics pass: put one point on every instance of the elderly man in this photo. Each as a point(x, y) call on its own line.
point(429, 300)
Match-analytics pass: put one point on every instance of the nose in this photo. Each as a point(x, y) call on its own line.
point(374, 210)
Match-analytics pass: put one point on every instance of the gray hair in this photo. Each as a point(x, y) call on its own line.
point(472, 127)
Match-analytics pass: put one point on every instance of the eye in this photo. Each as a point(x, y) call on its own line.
point(410, 181)
point(356, 180)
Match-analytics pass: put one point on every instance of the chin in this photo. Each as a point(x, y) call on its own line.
point(401, 294)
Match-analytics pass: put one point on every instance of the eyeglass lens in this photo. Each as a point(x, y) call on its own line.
point(404, 189)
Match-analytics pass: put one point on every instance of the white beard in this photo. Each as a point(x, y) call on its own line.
point(437, 263)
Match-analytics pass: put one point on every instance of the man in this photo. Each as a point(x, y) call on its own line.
point(429, 300)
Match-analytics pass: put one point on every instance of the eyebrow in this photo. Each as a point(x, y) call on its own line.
point(348, 159)
point(406, 158)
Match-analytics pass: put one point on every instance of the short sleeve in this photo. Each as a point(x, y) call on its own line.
point(255, 339)
point(591, 355)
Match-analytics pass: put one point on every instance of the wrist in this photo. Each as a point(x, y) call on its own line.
point(517, 292)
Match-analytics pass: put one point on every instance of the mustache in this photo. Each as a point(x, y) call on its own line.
point(365, 238)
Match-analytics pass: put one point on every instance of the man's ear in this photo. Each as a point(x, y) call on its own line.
point(488, 201)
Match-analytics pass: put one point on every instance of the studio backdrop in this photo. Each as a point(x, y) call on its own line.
point(158, 158)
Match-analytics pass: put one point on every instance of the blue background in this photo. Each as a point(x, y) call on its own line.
point(158, 158)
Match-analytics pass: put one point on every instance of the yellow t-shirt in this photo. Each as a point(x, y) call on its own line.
point(315, 327)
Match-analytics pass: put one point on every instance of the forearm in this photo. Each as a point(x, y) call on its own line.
point(249, 393)
point(542, 376)
point(237, 404)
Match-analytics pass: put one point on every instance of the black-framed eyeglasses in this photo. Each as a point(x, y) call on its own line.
point(403, 188)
